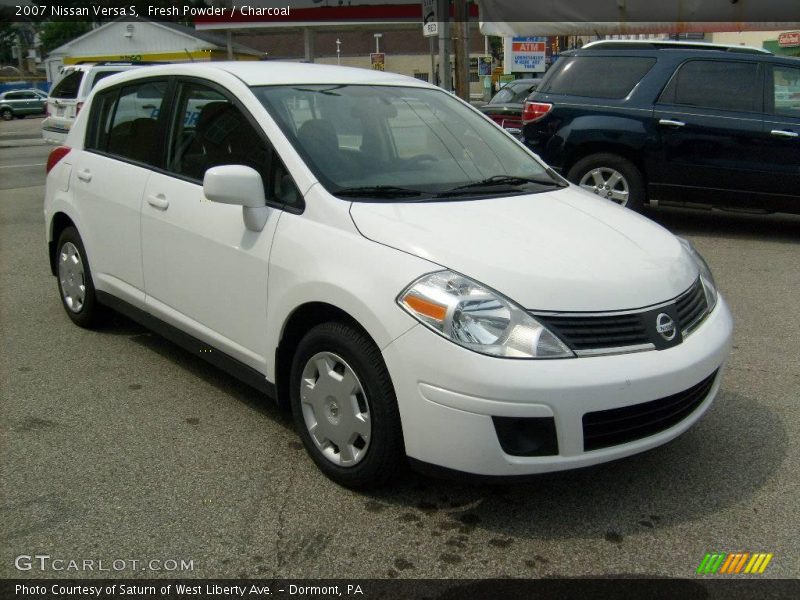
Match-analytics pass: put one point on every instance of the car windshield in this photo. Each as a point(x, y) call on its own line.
point(401, 143)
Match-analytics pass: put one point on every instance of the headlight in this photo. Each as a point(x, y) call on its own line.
point(706, 278)
point(478, 318)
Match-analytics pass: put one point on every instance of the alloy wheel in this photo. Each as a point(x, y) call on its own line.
point(608, 183)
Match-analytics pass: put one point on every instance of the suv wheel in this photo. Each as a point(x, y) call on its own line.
point(75, 279)
point(612, 177)
point(6, 114)
point(344, 406)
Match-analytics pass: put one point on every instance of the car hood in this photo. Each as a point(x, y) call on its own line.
point(564, 250)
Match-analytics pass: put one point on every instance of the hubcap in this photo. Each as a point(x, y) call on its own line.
point(71, 276)
point(608, 183)
point(335, 409)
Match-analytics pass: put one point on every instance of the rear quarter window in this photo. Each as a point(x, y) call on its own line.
point(612, 77)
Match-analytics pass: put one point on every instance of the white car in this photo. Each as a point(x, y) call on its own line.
point(69, 95)
point(380, 256)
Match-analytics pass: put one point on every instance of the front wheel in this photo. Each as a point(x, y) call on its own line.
point(344, 406)
point(612, 177)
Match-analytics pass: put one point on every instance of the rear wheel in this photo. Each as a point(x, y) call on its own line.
point(612, 177)
point(75, 279)
point(344, 406)
point(6, 114)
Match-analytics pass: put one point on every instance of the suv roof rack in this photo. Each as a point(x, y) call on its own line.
point(670, 44)
point(118, 62)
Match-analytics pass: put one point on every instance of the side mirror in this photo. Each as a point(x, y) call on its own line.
point(239, 185)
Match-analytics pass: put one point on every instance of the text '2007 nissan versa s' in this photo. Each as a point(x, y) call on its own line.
point(381, 257)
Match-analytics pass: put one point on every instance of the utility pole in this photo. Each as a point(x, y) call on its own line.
point(444, 45)
point(459, 49)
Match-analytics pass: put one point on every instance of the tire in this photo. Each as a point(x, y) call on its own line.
point(608, 166)
point(75, 285)
point(6, 114)
point(333, 355)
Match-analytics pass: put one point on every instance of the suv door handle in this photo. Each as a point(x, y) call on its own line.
point(784, 133)
point(158, 201)
point(671, 123)
point(85, 175)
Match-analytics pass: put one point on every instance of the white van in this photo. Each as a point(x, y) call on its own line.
point(381, 257)
point(69, 94)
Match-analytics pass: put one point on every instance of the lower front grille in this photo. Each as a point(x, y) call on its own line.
point(604, 428)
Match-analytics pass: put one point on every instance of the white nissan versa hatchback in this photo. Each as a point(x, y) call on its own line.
point(384, 259)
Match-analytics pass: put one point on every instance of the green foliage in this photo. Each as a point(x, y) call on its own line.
point(55, 33)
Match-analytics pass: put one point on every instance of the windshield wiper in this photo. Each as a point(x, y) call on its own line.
point(377, 191)
point(509, 182)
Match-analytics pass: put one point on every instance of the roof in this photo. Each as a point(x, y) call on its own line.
point(670, 44)
point(276, 73)
point(216, 41)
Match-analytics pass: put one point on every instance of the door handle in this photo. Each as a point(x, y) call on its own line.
point(85, 175)
point(158, 201)
point(671, 123)
point(784, 133)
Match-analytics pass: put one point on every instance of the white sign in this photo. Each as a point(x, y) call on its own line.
point(527, 54)
point(430, 26)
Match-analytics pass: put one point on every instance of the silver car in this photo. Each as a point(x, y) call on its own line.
point(20, 103)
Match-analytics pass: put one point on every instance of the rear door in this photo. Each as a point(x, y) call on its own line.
point(781, 144)
point(708, 121)
point(123, 144)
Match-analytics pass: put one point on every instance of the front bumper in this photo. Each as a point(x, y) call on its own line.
point(447, 396)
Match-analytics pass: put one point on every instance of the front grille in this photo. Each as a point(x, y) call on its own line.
point(691, 307)
point(589, 333)
point(604, 428)
point(625, 332)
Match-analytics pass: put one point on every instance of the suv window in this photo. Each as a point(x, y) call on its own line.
point(67, 88)
point(99, 77)
point(717, 84)
point(597, 76)
point(786, 91)
point(125, 121)
point(209, 130)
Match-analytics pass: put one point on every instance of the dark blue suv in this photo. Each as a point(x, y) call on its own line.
point(693, 124)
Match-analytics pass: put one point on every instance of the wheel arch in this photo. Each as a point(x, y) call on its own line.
point(299, 322)
point(58, 223)
point(627, 152)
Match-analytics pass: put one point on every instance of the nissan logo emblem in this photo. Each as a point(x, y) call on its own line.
point(665, 325)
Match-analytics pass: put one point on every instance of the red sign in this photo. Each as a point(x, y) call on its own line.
point(523, 47)
point(789, 39)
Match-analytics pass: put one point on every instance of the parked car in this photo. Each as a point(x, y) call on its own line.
point(505, 107)
point(684, 123)
point(69, 94)
point(21, 103)
point(372, 252)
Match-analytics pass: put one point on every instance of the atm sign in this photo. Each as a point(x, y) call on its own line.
point(523, 47)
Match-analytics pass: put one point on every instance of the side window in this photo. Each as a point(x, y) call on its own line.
point(612, 77)
point(786, 91)
point(98, 77)
point(67, 88)
point(209, 130)
point(717, 84)
point(125, 121)
point(13, 96)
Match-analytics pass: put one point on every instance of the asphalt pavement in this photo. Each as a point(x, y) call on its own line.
point(117, 445)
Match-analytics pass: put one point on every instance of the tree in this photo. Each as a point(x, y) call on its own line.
point(56, 33)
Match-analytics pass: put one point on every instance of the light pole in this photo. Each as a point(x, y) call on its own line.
point(338, 50)
point(378, 37)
